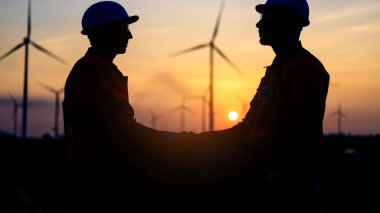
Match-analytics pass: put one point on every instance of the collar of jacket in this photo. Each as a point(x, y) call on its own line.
point(281, 60)
point(92, 52)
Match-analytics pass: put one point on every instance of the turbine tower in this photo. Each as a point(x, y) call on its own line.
point(16, 105)
point(182, 108)
point(26, 43)
point(154, 119)
point(57, 104)
point(213, 48)
point(203, 109)
point(339, 114)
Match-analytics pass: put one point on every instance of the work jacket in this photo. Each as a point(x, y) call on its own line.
point(286, 114)
point(100, 124)
point(114, 161)
point(283, 128)
point(96, 106)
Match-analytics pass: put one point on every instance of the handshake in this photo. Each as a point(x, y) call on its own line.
point(214, 155)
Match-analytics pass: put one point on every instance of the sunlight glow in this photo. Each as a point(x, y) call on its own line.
point(233, 116)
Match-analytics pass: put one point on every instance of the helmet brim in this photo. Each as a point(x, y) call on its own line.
point(260, 8)
point(131, 19)
point(127, 20)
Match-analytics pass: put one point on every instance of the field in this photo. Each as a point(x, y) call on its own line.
point(33, 173)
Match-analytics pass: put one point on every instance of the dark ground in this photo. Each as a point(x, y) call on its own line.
point(32, 175)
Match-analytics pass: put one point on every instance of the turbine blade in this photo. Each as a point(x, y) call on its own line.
point(29, 19)
point(155, 116)
point(206, 91)
point(241, 99)
point(40, 48)
point(216, 29)
point(195, 97)
point(12, 50)
point(228, 60)
point(181, 108)
point(187, 109)
point(51, 89)
point(176, 109)
point(190, 49)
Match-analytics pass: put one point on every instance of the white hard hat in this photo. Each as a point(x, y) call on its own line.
point(104, 12)
point(301, 6)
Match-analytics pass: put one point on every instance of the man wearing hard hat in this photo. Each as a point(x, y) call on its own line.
point(109, 153)
point(282, 132)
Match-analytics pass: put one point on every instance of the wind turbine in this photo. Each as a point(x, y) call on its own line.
point(26, 43)
point(203, 109)
point(182, 108)
point(213, 48)
point(57, 104)
point(245, 104)
point(155, 117)
point(16, 105)
point(339, 113)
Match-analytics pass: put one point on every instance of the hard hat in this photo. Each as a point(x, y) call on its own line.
point(300, 6)
point(104, 12)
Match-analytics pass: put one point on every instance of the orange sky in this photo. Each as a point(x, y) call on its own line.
point(344, 35)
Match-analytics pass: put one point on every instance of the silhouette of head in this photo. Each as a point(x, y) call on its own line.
point(282, 21)
point(106, 24)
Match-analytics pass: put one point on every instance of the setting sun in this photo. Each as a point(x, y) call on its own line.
point(233, 116)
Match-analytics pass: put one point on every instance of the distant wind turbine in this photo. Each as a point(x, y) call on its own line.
point(154, 117)
point(244, 103)
point(204, 104)
point(16, 105)
point(26, 43)
point(339, 114)
point(213, 48)
point(57, 104)
point(182, 108)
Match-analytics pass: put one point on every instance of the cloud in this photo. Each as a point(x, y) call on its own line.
point(63, 39)
point(168, 81)
point(368, 28)
point(352, 11)
point(155, 31)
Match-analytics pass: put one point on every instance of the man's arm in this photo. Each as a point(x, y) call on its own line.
point(302, 133)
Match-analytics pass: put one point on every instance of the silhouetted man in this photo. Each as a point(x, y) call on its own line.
point(113, 159)
point(282, 131)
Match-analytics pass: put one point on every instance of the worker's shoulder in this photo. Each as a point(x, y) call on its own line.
point(312, 59)
point(302, 58)
point(306, 62)
point(82, 69)
point(87, 63)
